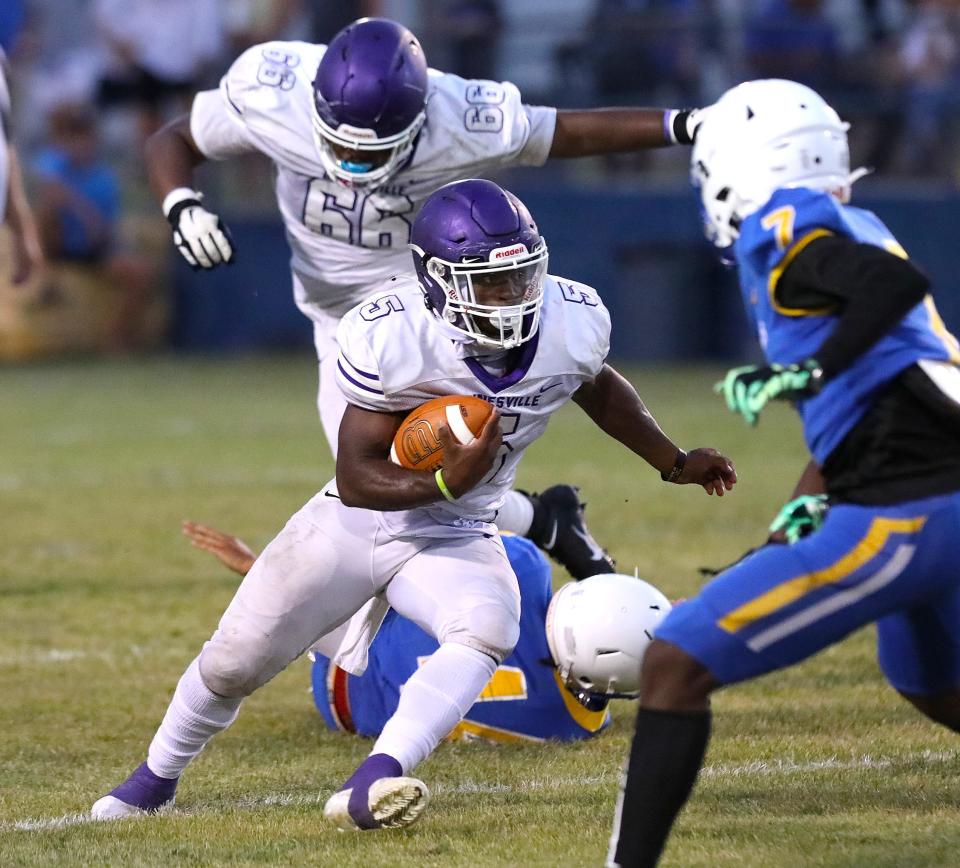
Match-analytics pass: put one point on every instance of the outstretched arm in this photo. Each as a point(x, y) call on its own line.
point(612, 402)
point(587, 132)
point(869, 288)
point(171, 155)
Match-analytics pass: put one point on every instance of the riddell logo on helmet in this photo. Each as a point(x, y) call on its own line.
point(507, 252)
point(356, 132)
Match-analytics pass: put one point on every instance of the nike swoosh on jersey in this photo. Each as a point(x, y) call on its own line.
point(549, 386)
point(551, 541)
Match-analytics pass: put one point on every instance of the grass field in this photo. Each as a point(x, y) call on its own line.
point(102, 604)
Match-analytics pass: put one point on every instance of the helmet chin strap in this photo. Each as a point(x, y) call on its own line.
point(855, 176)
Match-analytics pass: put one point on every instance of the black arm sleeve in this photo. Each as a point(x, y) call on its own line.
point(870, 288)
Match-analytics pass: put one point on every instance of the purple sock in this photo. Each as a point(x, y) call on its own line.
point(374, 767)
point(145, 790)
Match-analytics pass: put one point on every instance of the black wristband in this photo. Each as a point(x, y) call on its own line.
point(680, 134)
point(673, 474)
point(173, 218)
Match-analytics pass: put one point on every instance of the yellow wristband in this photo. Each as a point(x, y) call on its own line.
point(443, 485)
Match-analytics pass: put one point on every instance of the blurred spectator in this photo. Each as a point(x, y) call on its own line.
point(250, 22)
point(78, 210)
point(327, 18)
point(26, 254)
point(930, 63)
point(158, 51)
point(647, 50)
point(794, 39)
point(12, 15)
point(471, 29)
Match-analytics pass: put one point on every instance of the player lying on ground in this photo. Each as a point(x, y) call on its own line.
point(852, 337)
point(361, 132)
point(494, 325)
point(529, 697)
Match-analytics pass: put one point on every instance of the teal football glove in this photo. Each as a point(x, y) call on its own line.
point(748, 389)
point(801, 516)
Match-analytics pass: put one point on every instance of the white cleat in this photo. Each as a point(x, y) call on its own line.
point(393, 803)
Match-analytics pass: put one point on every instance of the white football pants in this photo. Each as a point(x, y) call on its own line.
point(327, 562)
point(321, 568)
point(331, 403)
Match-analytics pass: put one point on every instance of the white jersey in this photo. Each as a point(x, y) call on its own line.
point(395, 355)
point(346, 241)
point(4, 137)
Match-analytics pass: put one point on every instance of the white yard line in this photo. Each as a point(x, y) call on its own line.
point(785, 766)
point(720, 771)
point(29, 657)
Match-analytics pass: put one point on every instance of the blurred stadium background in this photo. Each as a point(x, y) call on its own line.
point(627, 225)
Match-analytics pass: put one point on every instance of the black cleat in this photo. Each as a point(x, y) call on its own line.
point(559, 529)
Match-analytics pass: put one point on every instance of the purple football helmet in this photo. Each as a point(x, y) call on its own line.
point(369, 95)
point(481, 262)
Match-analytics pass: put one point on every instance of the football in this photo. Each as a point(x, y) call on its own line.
point(416, 445)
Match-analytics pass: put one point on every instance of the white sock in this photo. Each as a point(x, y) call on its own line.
point(516, 514)
point(433, 701)
point(194, 716)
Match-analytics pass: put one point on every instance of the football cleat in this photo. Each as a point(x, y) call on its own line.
point(559, 529)
point(374, 800)
point(141, 793)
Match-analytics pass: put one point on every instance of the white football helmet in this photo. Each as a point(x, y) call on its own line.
point(598, 630)
point(761, 136)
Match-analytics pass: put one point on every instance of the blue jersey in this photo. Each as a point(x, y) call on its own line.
point(524, 701)
point(769, 240)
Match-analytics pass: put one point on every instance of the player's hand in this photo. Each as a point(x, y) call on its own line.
point(707, 467)
point(686, 123)
point(201, 237)
point(229, 550)
point(800, 517)
point(748, 389)
point(465, 466)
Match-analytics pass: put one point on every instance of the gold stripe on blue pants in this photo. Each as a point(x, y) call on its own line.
point(791, 590)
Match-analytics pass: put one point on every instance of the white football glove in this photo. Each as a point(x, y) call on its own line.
point(201, 237)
